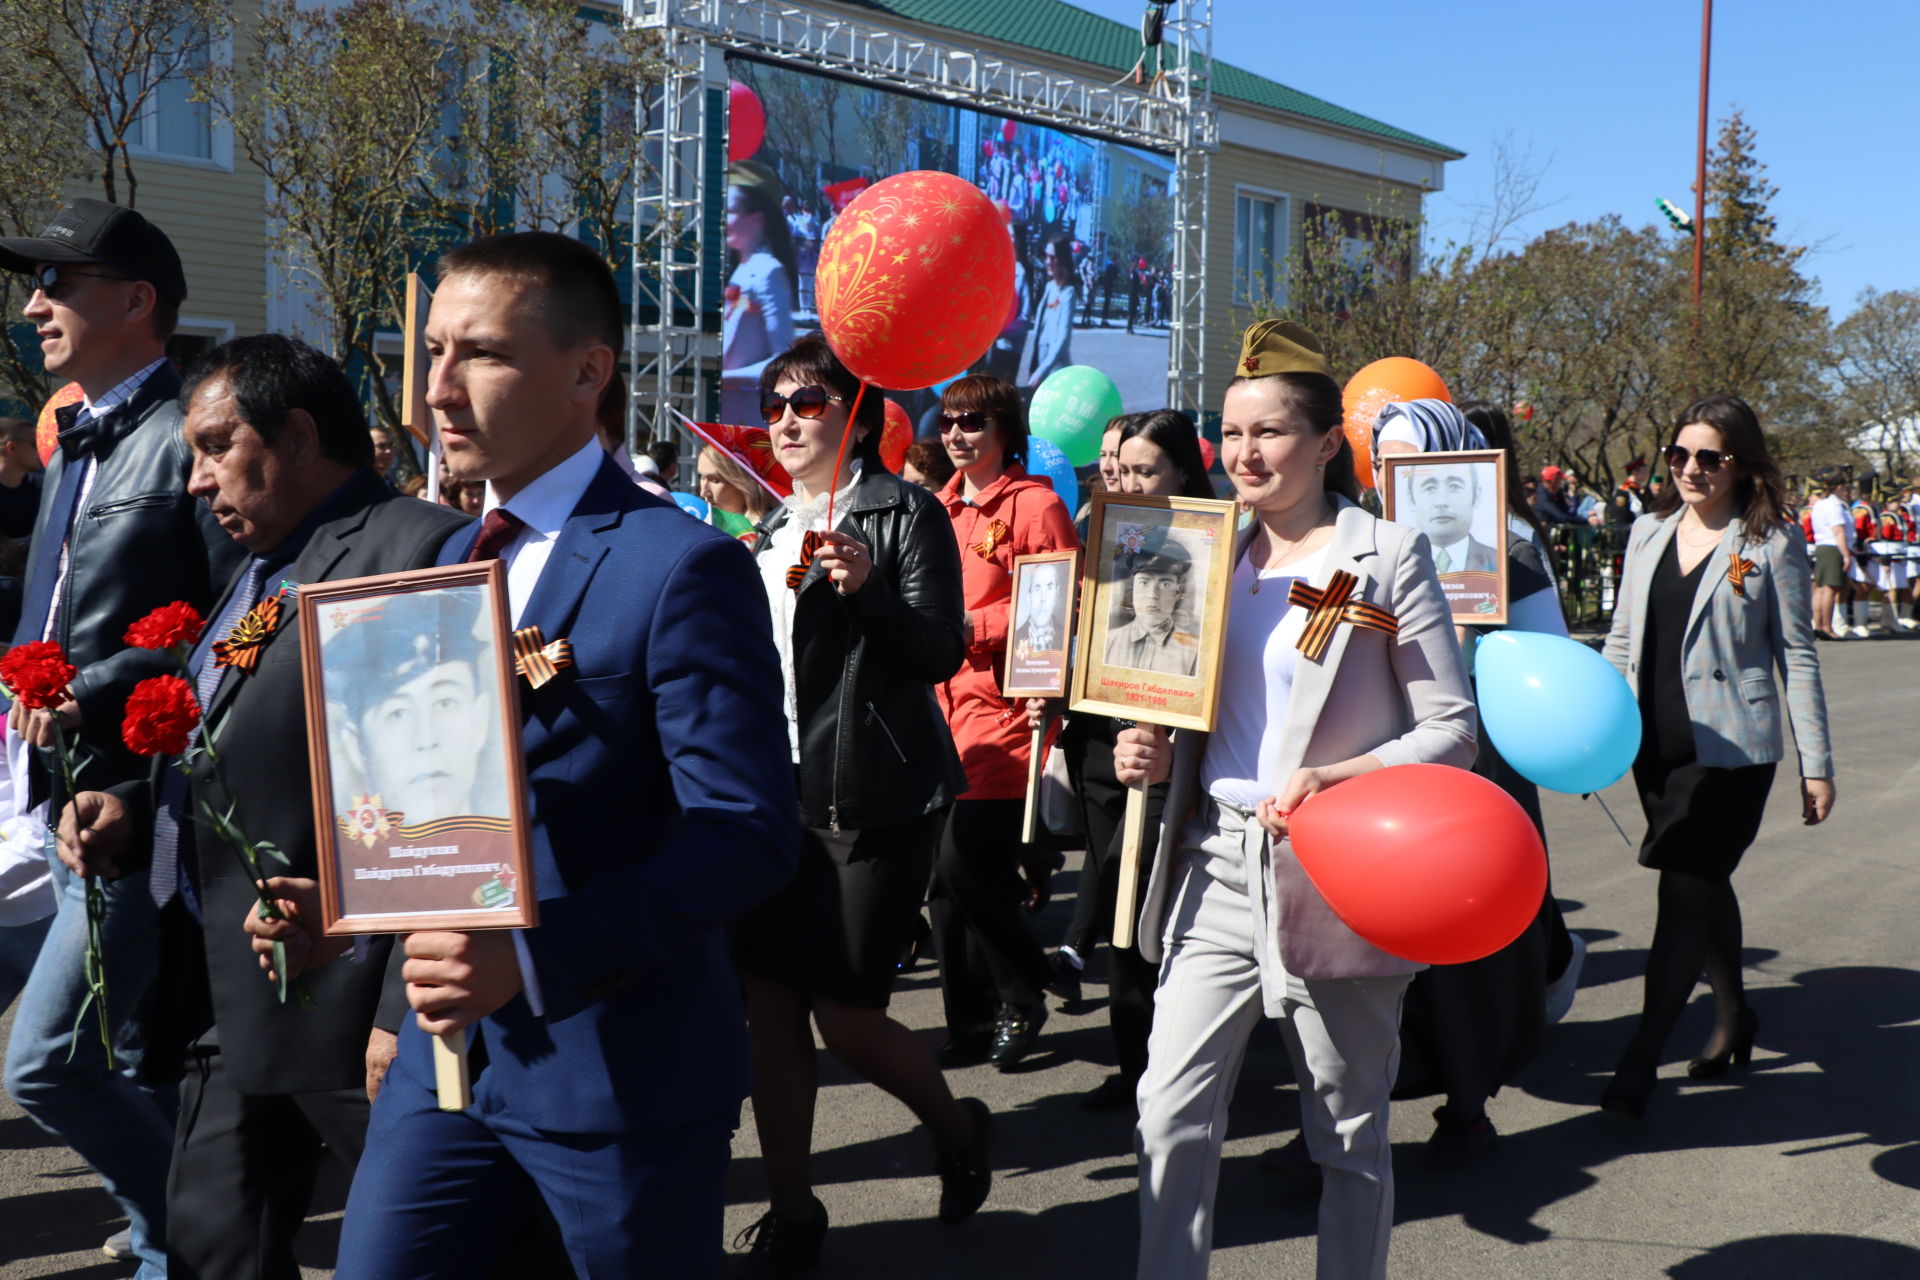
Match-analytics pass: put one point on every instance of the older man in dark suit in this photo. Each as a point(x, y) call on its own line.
point(282, 458)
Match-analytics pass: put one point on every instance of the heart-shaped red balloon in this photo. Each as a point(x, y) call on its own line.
point(1430, 863)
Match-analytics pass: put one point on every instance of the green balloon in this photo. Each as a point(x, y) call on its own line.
point(1072, 408)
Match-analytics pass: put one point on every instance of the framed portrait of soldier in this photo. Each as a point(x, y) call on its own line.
point(1153, 608)
point(1040, 625)
point(1459, 500)
point(413, 724)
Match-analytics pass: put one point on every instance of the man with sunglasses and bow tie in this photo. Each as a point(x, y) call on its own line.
point(118, 535)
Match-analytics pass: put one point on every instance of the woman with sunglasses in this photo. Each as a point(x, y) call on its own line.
point(1155, 454)
point(1714, 595)
point(1053, 316)
point(992, 973)
point(1242, 930)
point(868, 619)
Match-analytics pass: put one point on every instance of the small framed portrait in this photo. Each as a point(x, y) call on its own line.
point(1459, 500)
point(1153, 608)
point(413, 728)
point(1040, 626)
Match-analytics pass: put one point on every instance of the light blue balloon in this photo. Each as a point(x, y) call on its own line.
point(695, 507)
point(1045, 458)
point(1561, 714)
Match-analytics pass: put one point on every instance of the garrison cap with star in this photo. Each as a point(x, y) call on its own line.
point(1280, 346)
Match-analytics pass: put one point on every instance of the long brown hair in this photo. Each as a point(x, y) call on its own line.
point(1759, 493)
point(1316, 397)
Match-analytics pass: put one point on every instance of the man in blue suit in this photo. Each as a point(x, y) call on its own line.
point(608, 1044)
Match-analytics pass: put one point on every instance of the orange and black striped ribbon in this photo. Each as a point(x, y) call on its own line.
point(1329, 607)
point(809, 545)
point(1737, 572)
point(537, 661)
point(997, 533)
point(241, 647)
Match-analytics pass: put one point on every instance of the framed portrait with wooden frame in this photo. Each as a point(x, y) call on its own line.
point(413, 729)
point(1153, 608)
point(1459, 500)
point(1039, 648)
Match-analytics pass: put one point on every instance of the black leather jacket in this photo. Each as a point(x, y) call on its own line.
point(874, 748)
point(138, 541)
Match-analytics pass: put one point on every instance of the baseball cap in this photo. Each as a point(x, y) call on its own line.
point(91, 230)
point(1549, 474)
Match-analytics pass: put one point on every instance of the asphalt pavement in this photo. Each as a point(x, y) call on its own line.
point(1804, 1167)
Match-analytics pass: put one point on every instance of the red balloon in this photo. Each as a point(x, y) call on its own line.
point(895, 437)
point(1005, 210)
point(46, 432)
point(1206, 452)
point(1007, 129)
point(1430, 863)
point(1373, 389)
point(747, 122)
point(915, 280)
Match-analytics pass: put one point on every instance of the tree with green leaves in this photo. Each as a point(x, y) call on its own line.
point(1877, 370)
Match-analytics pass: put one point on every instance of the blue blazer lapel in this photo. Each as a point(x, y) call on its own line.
point(576, 553)
point(460, 545)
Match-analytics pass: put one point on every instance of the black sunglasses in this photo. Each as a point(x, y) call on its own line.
point(973, 422)
point(47, 279)
point(807, 402)
point(1709, 459)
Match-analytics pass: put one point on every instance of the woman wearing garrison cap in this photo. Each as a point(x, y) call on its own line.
point(1237, 927)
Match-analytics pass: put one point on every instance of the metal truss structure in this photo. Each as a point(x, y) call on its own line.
point(676, 355)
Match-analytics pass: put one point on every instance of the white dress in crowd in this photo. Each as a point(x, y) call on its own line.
point(757, 325)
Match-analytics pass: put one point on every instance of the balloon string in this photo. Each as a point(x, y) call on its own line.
point(1595, 795)
point(846, 434)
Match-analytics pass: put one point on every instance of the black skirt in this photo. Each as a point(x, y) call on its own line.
point(1700, 820)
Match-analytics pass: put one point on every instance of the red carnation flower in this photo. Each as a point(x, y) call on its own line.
point(161, 716)
point(171, 625)
point(37, 674)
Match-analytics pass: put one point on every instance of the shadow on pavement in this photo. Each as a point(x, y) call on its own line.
point(49, 1223)
point(1797, 1256)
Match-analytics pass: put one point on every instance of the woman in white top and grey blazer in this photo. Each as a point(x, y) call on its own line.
point(1713, 599)
point(1233, 921)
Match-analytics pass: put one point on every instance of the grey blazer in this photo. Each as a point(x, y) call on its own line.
point(1403, 699)
point(1733, 644)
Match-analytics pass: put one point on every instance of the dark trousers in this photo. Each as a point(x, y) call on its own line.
point(987, 957)
point(1130, 979)
point(243, 1172)
point(442, 1193)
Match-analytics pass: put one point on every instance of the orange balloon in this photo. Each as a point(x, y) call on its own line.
point(915, 280)
point(895, 437)
point(46, 432)
point(1380, 384)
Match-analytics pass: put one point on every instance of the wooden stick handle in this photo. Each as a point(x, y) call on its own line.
point(1126, 899)
point(1036, 764)
point(450, 1071)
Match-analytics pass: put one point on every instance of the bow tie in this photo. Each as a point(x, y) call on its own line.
point(78, 429)
point(1328, 608)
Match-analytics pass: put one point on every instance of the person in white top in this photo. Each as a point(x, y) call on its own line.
point(757, 317)
point(1832, 554)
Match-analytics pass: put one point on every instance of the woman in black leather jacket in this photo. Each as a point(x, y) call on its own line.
point(867, 616)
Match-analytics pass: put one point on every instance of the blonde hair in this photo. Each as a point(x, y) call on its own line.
point(752, 492)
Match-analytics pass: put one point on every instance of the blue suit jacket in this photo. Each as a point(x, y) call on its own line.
point(662, 807)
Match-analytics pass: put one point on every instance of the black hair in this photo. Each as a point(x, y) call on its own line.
point(1498, 431)
point(811, 362)
point(665, 455)
point(271, 375)
point(1316, 397)
point(1173, 433)
point(578, 297)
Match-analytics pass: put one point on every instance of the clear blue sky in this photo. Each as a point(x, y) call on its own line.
point(1606, 97)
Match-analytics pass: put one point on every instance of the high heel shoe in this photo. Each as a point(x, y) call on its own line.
point(1628, 1093)
point(1738, 1053)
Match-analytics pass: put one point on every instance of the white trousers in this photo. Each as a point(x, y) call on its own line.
point(1342, 1034)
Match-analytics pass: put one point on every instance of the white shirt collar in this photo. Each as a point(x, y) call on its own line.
point(545, 504)
point(120, 392)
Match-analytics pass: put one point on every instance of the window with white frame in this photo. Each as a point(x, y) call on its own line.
point(1259, 248)
point(171, 123)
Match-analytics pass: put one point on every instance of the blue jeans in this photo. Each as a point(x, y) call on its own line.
point(119, 1127)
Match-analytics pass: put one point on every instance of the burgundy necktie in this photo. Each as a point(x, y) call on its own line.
point(499, 528)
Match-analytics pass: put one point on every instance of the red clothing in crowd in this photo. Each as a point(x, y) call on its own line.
point(1016, 515)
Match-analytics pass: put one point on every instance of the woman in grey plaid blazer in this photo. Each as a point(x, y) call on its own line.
point(1714, 598)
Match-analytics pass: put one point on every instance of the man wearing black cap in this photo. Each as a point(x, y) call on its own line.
point(117, 536)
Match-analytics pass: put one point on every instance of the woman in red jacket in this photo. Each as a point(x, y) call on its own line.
point(992, 972)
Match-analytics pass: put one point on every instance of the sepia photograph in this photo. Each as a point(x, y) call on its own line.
point(1041, 625)
point(1459, 501)
point(1154, 599)
point(417, 776)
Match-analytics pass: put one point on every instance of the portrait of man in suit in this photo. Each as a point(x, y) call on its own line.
point(1444, 499)
point(1038, 657)
point(1144, 632)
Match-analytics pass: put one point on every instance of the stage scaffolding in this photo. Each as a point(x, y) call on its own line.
point(676, 355)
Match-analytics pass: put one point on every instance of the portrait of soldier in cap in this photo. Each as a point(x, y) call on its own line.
point(1145, 630)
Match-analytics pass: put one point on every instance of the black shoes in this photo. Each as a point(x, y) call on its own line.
point(1111, 1094)
point(1063, 977)
point(1456, 1142)
point(1738, 1054)
point(966, 1175)
point(968, 1049)
point(1014, 1034)
point(1628, 1093)
point(777, 1246)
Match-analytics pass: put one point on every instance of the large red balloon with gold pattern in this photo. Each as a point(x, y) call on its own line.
point(915, 280)
point(46, 432)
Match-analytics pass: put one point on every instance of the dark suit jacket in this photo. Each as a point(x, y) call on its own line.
point(663, 807)
point(1479, 559)
point(259, 732)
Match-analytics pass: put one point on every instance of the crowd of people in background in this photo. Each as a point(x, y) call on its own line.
point(781, 766)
